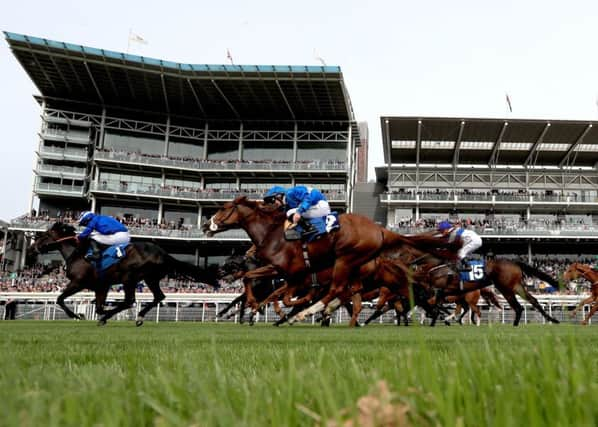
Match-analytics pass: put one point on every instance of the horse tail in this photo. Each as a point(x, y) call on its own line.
point(532, 271)
point(190, 271)
point(437, 246)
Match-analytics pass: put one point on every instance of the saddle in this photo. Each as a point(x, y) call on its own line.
point(110, 256)
point(311, 229)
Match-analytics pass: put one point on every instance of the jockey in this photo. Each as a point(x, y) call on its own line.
point(275, 194)
point(102, 230)
point(471, 241)
point(304, 203)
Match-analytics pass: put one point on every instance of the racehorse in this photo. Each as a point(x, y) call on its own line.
point(576, 270)
point(357, 241)
point(507, 277)
point(143, 261)
point(469, 301)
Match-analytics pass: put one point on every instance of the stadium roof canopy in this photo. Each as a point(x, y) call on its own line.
point(479, 141)
point(65, 71)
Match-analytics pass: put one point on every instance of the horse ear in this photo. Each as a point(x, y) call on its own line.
point(240, 200)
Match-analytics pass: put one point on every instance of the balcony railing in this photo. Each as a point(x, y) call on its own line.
point(140, 189)
point(515, 230)
point(56, 170)
point(63, 135)
point(185, 233)
point(447, 197)
point(64, 190)
point(63, 153)
point(195, 164)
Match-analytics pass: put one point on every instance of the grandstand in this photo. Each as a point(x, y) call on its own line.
point(529, 187)
point(161, 144)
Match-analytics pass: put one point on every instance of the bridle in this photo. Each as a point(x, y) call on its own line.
point(214, 226)
point(59, 240)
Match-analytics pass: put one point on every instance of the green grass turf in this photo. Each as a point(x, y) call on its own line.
point(77, 374)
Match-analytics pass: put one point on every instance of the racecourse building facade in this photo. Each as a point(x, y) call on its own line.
point(527, 186)
point(162, 145)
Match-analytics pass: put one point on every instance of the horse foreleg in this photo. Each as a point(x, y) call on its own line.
point(123, 305)
point(586, 301)
point(231, 305)
point(356, 299)
point(71, 289)
point(590, 314)
point(159, 296)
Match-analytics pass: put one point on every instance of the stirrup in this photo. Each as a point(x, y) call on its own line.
point(292, 234)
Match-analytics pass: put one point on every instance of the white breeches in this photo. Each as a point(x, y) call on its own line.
point(470, 244)
point(120, 238)
point(320, 209)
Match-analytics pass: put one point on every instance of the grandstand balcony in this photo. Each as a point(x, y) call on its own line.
point(59, 153)
point(483, 199)
point(520, 231)
point(59, 171)
point(193, 165)
point(188, 194)
point(62, 135)
point(187, 233)
point(46, 188)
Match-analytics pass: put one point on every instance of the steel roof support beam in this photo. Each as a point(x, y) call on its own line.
point(574, 146)
point(230, 105)
point(457, 148)
point(494, 155)
point(164, 93)
point(388, 146)
point(418, 144)
point(286, 101)
point(203, 112)
point(534, 148)
point(64, 80)
point(93, 81)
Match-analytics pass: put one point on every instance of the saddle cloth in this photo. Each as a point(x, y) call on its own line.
point(476, 272)
point(110, 256)
point(323, 225)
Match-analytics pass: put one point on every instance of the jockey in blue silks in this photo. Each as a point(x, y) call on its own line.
point(469, 238)
point(102, 230)
point(301, 203)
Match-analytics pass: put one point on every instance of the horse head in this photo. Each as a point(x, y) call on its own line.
point(577, 270)
point(238, 213)
point(50, 239)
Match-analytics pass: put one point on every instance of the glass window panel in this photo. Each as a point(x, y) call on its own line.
point(134, 143)
point(223, 150)
point(267, 150)
point(308, 151)
point(185, 149)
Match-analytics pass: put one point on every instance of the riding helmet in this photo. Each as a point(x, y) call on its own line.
point(85, 217)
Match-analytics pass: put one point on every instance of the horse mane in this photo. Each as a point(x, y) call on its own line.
point(271, 210)
point(63, 228)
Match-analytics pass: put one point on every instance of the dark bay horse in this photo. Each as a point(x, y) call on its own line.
point(576, 270)
point(506, 276)
point(357, 241)
point(144, 261)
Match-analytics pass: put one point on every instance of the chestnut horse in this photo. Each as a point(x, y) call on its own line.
point(469, 301)
point(358, 241)
point(576, 270)
point(144, 261)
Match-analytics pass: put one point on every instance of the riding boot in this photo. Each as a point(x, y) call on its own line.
point(308, 227)
point(96, 251)
point(463, 266)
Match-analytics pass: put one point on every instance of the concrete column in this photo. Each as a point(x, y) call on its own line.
point(4, 243)
point(205, 142)
point(199, 209)
point(295, 143)
point(529, 252)
point(240, 154)
point(160, 211)
point(167, 137)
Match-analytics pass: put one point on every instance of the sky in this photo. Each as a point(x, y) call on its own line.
point(401, 58)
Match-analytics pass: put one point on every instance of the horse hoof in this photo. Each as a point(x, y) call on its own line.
point(80, 317)
point(139, 322)
point(102, 322)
